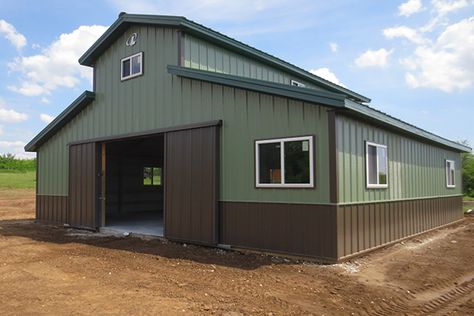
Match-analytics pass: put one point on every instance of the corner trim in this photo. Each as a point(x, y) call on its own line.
point(333, 176)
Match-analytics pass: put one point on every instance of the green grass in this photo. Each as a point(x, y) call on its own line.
point(467, 198)
point(18, 180)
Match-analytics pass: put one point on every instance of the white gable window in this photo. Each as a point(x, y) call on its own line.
point(284, 162)
point(297, 84)
point(450, 171)
point(132, 66)
point(376, 165)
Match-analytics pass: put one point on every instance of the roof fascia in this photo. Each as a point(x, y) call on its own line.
point(62, 119)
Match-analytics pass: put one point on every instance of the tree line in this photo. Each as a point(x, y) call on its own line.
point(9, 163)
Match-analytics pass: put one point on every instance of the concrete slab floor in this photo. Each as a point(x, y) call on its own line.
point(142, 224)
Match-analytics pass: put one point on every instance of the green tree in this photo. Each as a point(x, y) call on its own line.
point(467, 160)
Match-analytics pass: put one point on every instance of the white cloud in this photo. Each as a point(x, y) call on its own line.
point(12, 35)
point(374, 58)
point(57, 64)
point(334, 47)
point(443, 7)
point(11, 116)
point(410, 7)
point(234, 18)
point(404, 32)
point(1, 130)
point(447, 64)
point(214, 10)
point(46, 118)
point(326, 74)
point(16, 148)
point(45, 100)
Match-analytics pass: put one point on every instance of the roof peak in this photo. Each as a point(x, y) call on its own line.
point(125, 20)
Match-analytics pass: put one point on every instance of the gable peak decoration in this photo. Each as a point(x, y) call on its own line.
point(132, 39)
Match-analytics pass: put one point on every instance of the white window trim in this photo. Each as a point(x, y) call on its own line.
point(295, 83)
point(122, 78)
point(369, 185)
point(447, 175)
point(282, 161)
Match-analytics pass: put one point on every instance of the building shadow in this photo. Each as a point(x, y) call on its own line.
point(160, 247)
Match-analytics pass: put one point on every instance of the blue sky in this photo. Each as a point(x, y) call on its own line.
point(413, 58)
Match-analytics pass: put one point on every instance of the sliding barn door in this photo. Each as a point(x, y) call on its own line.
point(83, 202)
point(191, 175)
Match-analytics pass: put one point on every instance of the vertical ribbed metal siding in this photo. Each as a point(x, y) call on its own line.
point(364, 226)
point(298, 229)
point(200, 54)
point(190, 185)
point(416, 169)
point(157, 99)
point(52, 209)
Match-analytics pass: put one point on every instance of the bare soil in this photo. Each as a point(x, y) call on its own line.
point(50, 270)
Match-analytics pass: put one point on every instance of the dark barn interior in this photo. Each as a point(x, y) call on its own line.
point(134, 185)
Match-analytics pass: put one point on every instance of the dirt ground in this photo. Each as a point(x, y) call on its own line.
point(54, 271)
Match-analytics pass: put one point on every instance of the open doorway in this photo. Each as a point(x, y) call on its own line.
point(134, 186)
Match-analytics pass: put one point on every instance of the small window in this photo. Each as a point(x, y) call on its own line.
point(132, 66)
point(284, 162)
point(297, 84)
point(376, 165)
point(151, 176)
point(450, 171)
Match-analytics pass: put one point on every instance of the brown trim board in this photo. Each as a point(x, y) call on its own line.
point(333, 191)
point(148, 132)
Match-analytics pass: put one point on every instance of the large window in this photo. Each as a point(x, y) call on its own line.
point(376, 165)
point(132, 66)
point(450, 170)
point(286, 162)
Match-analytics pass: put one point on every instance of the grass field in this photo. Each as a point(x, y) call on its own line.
point(18, 180)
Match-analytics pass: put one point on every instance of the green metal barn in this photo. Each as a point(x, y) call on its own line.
point(191, 135)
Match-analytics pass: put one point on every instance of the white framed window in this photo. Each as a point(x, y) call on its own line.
point(376, 165)
point(131, 66)
point(284, 162)
point(297, 84)
point(450, 174)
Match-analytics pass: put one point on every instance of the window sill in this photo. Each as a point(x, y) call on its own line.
point(131, 77)
point(377, 186)
point(284, 186)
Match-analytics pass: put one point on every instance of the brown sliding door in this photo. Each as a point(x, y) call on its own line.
point(83, 175)
point(191, 173)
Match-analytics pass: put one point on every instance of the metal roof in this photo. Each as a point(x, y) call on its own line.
point(284, 90)
point(62, 119)
point(387, 119)
point(126, 20)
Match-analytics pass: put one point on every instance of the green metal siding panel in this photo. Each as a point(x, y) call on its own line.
point(416, 169)
point(158, 99)
point(202, 55)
